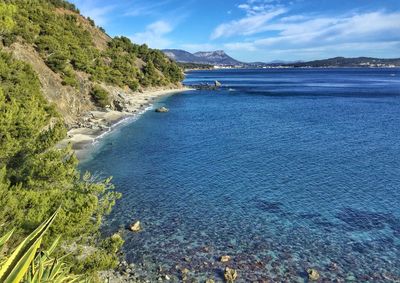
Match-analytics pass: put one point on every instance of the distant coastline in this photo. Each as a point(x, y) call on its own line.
point(220, 60)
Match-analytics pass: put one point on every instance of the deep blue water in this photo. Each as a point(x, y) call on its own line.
point(281, 169)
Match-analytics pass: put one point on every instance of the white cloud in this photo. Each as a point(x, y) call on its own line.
point(146, 8)
point(254, 7)
point(326, 31)
point(240, 46)
point(154, 35)
point(246, 26)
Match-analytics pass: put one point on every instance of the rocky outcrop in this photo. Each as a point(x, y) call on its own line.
point(313, 274)
point(162, 110)
point(135, 227)
point(225, 258)
point(230, 274)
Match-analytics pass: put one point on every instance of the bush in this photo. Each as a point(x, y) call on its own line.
point(100, 96)
point(35, 177)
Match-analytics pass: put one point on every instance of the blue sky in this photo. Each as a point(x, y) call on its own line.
point(256, 30)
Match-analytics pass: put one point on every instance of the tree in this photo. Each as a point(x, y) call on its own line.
point(7, 12)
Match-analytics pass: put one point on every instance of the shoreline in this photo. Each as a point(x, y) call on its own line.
point(99, 123)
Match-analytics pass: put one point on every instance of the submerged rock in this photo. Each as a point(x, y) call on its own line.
point(225, 258)
point(162, 110)
point(312, 274)
point(230, 274)
point(184, 274)
point(136, 227)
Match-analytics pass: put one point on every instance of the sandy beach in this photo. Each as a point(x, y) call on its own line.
point(98, 123)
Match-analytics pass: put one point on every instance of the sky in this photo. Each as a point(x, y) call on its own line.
point(256, 30)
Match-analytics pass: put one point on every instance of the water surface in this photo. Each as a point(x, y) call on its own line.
point(281, 169)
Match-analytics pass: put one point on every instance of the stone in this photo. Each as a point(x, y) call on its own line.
point(118, 105)
point(230, 274)
point(135, 227)
point(313, 274)
point(210, 281)
point(167, 278)
point(217, 84)
point(184, 272)
point(162, 110)
point(225, 258)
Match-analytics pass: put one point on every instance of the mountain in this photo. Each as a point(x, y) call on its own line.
point(219, 57)
point(348, 62)
point(180, 55)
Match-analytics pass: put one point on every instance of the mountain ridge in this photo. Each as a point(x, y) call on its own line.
point(220, 58)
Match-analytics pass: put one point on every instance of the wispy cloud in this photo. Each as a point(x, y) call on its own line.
point(145, 8)
point(154, 35)
point(96, 10)
point(367, 27)
point(248, 25)
point(256, 7)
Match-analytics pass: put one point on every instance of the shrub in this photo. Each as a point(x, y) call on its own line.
point(100, 96)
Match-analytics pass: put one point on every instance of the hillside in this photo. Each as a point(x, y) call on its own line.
point(72, 57)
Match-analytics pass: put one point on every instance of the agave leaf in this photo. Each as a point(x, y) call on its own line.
point(53, 246)
point(5, 238)
point(18, 271)
point(18, 263)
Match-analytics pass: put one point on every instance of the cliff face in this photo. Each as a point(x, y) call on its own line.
point(71, 56)
point(70, 102)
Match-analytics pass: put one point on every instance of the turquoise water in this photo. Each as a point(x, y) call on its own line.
point(283, 170)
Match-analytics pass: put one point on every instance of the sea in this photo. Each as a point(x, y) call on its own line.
point(283, 170)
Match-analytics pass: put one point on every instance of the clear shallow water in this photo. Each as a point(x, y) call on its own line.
point(281, 169)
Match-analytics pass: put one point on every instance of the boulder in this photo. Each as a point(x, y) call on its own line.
point(225, 258)
point(217, 84)
point(135, 227)
point(184, 274)
point(230, 274)
point(313, 274)
point(118, 105)
point(162, 110)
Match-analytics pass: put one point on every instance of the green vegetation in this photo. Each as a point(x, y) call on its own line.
point(100, 96)
point(7, 13)
point(64, 40)
point(36, 178)
point(27, 264)
point(194, 66)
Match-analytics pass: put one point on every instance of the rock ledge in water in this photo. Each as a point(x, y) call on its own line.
point(162, 110)
point(135, 227)
point(225, 258)
point(312, 274)
point(230, 274)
